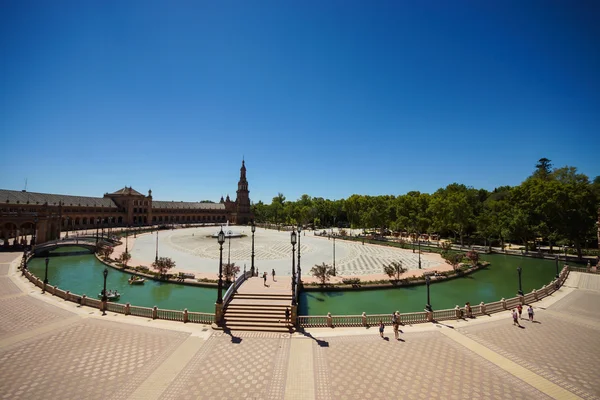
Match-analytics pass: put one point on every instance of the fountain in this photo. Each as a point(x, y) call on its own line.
point(228, 232)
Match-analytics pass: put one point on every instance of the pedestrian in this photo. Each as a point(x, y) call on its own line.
point(395, 324)
point(287, 314)
point(273, 273)
point(515, 317)
point(381, 328)
point(530, 312)
point(469, 310)
point(520, 309)
point(265, 278)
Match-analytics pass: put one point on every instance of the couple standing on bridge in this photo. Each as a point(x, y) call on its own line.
point(265, 277)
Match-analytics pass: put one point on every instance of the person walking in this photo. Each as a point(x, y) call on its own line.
point(265, 278)
point(515, 317)
point(273, 273)
point(287, 314)
point(530, 313)
point(381, 328)
point(520, 309)
point(469, 310)
point(395, 324)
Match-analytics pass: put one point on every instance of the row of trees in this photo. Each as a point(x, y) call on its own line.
point(552, 206)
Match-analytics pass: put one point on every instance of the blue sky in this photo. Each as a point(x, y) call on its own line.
point(325, 99)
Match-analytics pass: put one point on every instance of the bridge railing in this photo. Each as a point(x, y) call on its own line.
point(235, 286)
point(437, 315)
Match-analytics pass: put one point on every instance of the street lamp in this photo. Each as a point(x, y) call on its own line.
point(97, 223)
point(520, 287)
point(299, 270)
point(419, 242)
point(156, 258)
point(104, 298)
point(556, 261)
point(34, 238)
point(427, 283)
point(221, 240)
point(334, 256)
point(253, 230)
point(46, 276)
point(229, 250)
point(293, 241)
point(126, 240)
point(67, 235)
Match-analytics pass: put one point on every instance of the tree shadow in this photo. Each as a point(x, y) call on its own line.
point(234, 339)
point(321, 343)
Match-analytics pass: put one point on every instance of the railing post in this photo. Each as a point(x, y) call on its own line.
point(364, 318)
point(457, 312)
point(482, 308)
point(503, 301)
point(154, 312)
point(522, 299)
point(429, 315)
point(185, 315)
point(83, 300)
point(329, 320)
point(127, 310)
point(67, 295)
point(535, 294)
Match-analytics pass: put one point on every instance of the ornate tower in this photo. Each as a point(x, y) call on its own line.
point(242, 202)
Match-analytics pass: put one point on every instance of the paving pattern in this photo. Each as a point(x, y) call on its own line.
point(8, 287)
point(47, 352)
point(89, 360)
point(247, 365)
point(19, 314)
point(553, 348)
point(425, 366)
point(193, 249)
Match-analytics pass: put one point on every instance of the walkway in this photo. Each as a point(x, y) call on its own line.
point(54, 349)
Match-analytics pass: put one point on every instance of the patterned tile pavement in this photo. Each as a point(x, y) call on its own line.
point(19, 314)
point(244, 366)
point(91, 359)
point(8, 287)
point(426, 366)
point(578, 303)
point(4, 269)
point(555, 349)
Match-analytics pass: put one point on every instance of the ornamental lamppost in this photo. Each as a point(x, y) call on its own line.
point(46, 276)
point(34, 236)
point(556, 261)
point(97, 223)
point(126, 240)
point(299, 270)
point(156, 258)
point(427, 283)
point(229, 249)
point(419, 242)
point(104, 298)
point(520, 293)
point(67, 235)
point(293, 241)
point(221, 240)
point(253, 230)
point(334, 256)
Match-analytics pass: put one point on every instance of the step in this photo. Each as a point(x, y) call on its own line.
point(273, 313)
point(261, 296)
point(252, 324)
point(259, 329)
point(255, 319)
point(266, 307)
point(254, 302)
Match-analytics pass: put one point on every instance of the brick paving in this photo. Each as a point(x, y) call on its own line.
point(555, 349)
point(244, 366)
point(19, 314)
point(578, 303)
point(425, 366)
point(8, 287)
point(89, 360)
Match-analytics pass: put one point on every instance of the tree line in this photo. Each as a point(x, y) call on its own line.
point(553, 206)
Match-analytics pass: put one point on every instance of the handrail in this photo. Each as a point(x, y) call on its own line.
point(234, 287)
point(437, 315)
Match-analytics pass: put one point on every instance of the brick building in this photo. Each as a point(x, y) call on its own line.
point(45, 216)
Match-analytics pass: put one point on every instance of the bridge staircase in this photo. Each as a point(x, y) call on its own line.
point(255, 307)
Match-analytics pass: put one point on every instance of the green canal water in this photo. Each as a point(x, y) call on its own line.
point(490, 284)
point(82, 274)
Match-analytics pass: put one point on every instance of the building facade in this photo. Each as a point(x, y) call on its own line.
point(27, 218)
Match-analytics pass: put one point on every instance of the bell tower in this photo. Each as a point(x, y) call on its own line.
point(242, 201)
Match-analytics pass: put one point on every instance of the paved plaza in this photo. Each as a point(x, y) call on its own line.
point(52, 349)
point(195, 250)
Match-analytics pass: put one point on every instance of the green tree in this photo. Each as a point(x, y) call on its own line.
point(322, 272)
point(163, 265)
point(394, 269)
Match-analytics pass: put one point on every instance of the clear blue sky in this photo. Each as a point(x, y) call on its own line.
point(325, 99)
